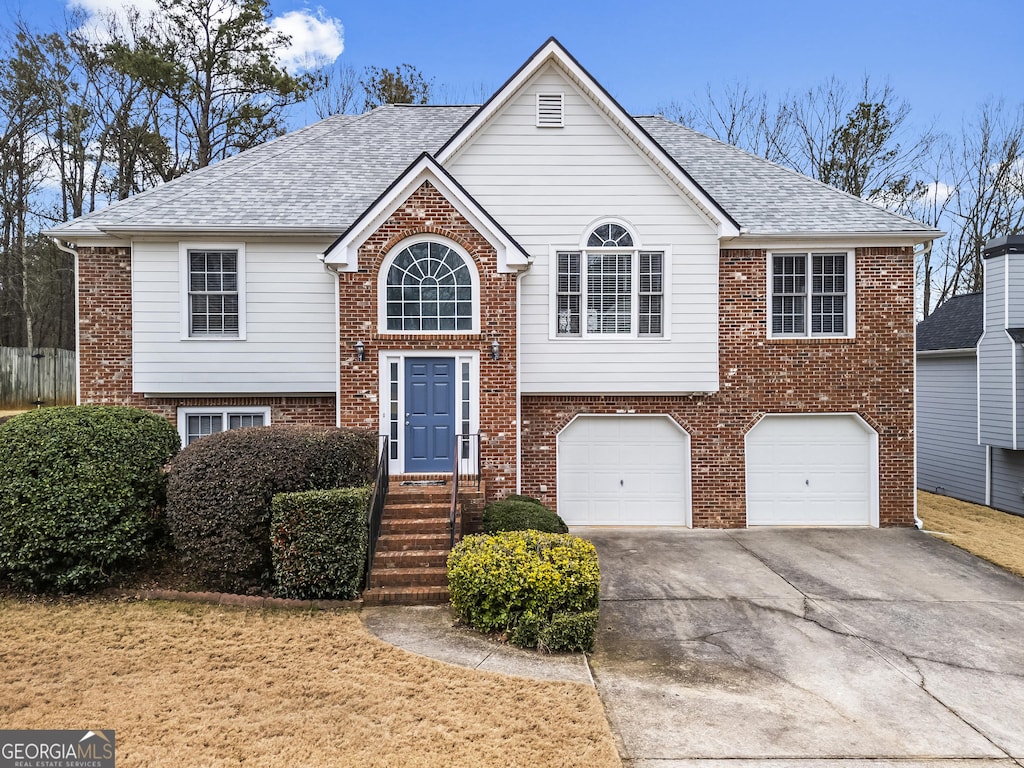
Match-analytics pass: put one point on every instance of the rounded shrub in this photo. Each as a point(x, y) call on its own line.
point(220, 490)
point(521, 513)
point(539, 588)
point(79, 490)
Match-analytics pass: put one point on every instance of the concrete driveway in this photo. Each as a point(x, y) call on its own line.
point(807, 644)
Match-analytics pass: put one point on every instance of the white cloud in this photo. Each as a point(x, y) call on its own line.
point(936, 193)
point(316, 38)
point(100, 7)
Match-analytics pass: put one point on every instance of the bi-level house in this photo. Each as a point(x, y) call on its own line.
point(633, 322)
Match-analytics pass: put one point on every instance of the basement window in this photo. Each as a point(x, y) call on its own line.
point(195, 423)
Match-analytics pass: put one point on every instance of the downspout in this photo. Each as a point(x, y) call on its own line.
point(988, 475)
point(519, 383)
point(337, 340)
point(918, 522)
point(78, 357)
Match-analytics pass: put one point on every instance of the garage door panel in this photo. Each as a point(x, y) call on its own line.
point(623, 470)
point(810, 470)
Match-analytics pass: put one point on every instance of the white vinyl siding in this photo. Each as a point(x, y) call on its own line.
point(549, 188)
point(290, 337)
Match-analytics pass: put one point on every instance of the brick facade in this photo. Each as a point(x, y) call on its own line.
point(427, 212)
point(105, 349)
point(871, 375)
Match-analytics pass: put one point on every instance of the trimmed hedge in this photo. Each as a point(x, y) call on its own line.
point(536, 587)
point(319, 542)
point(521, 513)
point(79, 491)
point(220, 489)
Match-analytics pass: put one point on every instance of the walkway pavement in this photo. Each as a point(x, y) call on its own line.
point(798, 646)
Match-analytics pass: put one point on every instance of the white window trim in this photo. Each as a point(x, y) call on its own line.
point(633, 335)
point(185, 310)
point(382, 284)
point(851, 293)
point(233, 410)
point(386, 358)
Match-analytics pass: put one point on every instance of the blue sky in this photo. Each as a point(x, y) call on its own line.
point(943, 57)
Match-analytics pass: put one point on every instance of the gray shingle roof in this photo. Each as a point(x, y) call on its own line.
point(766, 198)
point(957, 324)
point(323, 176)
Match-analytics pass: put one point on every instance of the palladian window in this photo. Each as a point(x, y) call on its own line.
point(429, 288)
point(610, 288)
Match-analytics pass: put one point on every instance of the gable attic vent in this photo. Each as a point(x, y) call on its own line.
point(550, 110)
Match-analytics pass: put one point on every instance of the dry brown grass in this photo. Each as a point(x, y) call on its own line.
point(9, 413)
point(996, 536)
point(197, 685)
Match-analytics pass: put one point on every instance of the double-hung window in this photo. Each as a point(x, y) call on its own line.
point(811, 294)
point(609, 288)
point(214, 292)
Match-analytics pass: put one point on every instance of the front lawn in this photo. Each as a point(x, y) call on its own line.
point(988, 533)
point(188, 684)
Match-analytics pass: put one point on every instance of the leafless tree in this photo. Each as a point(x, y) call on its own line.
point(334, 89)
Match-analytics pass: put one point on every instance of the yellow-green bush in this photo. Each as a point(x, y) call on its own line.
point(518, 582)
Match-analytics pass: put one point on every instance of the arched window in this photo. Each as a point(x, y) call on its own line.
point(429, 287)
point(610, 236)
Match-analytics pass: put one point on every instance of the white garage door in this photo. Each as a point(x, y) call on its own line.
point(623, 470)
point(811, 470)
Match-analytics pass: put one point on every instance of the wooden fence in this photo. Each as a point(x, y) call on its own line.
point(30, 377)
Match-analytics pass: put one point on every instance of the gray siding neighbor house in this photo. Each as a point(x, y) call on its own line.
point(970, 377)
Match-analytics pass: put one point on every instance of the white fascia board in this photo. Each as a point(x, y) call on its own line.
point(831, 239)
point(552, 51)
point(940, 353)
point(343, 255)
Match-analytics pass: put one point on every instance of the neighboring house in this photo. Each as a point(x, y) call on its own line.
point(970, 437)
point(643, 325)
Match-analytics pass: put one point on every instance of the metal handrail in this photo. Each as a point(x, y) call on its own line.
point(375, 513)
point(467, 448)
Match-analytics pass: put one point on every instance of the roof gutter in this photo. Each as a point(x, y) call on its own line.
point(798, 239)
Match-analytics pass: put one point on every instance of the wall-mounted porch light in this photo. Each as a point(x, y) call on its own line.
point(360, 351)
point(495, 349)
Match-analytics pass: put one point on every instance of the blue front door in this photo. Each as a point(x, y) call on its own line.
point(429, 414)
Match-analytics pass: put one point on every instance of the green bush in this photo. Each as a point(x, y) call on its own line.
point(519, 581)
point(79, 491)
point(569, 632)
point(220, 489)
point(319, 542)
point(521, 513)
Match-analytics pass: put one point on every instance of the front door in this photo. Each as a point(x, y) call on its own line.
point(429, 414)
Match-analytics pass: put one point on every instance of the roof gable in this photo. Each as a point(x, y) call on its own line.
point(552, 53)
point(343, 254)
